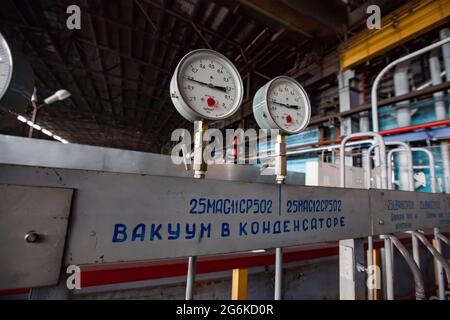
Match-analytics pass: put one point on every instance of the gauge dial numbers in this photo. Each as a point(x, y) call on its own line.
point(6, 66)
point(282, 104)
point(206, 85)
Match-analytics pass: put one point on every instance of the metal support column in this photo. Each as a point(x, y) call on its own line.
point(280, 172)
point(352, 280)
point(199, 168)
point(239, 284)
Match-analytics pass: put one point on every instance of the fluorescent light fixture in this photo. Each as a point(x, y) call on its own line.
point(21, 119)
point(45, 131)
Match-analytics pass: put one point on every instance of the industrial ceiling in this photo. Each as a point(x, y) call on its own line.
point(119, 64)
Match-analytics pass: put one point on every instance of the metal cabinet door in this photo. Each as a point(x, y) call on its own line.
point(30, 261)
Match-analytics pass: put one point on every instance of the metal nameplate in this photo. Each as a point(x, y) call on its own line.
point(397, 211)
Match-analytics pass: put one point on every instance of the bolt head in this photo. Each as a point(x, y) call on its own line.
point(31, 236)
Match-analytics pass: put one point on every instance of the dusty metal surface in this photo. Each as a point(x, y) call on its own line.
point(50, 154)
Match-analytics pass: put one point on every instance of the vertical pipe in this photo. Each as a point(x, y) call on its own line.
point(445, 152)
point(33, 118)
point(440, 269)
point(281, 172)
point(401, 87)
point(370, 264)
point(390, 185)
point(389, 269)
point(435, 70)
point(444, 34)
point(192, 262)
point(200, 168)
point(278, 273)
point(383, 273)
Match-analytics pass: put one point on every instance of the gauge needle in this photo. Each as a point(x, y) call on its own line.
point(212, 86)
point(285, 105)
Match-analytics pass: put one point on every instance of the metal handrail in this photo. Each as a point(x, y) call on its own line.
point(418, 278)
point(374, 99)
point(434, 252)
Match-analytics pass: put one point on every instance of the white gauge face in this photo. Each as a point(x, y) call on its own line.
point(5, 66)
point(288, 105)
point(209, 85)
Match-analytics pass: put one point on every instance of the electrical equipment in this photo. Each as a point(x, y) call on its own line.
point(16, 78)
point(282, 104)
point(206, 86)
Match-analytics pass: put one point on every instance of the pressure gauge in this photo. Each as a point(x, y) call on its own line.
point(16, 78)
point(282, 104)
point(206, 85)
point(6, 66)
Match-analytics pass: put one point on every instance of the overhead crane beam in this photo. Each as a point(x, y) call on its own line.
point(302, 17)
point(405, 23)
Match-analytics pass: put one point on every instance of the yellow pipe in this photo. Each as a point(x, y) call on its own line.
point(239, 284)
point(377, 275)
point(405, 23)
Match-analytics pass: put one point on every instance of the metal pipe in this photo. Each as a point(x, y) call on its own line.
point(409, 166)
point(410, 174)
point(445, 152)
point(192, 262)
point(409, 161)
point(380, 141)
point(418, 278)
point(415, 249)
point(444, 239)
point(436, 78)
point(369, 165)
point(389, 267)
point(278, 273)
point(370, 262)
point(328, 148)
point(435, 253)
point(432, 166)
point(389, 167)
point(200, 168)
point(375, 125)
point(280, 171)
point(440, 274)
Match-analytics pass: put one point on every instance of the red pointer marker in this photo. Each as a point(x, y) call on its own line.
point(211, 102)
point(289, 119)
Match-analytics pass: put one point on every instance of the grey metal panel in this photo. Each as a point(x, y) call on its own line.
point(106, 199)
point(319, 204)
point(51, 154)
point(44, 210)
point(396, 211)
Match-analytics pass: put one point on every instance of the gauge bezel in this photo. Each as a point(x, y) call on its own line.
point(177, 96)
point(262, 111)
point(4, 44)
